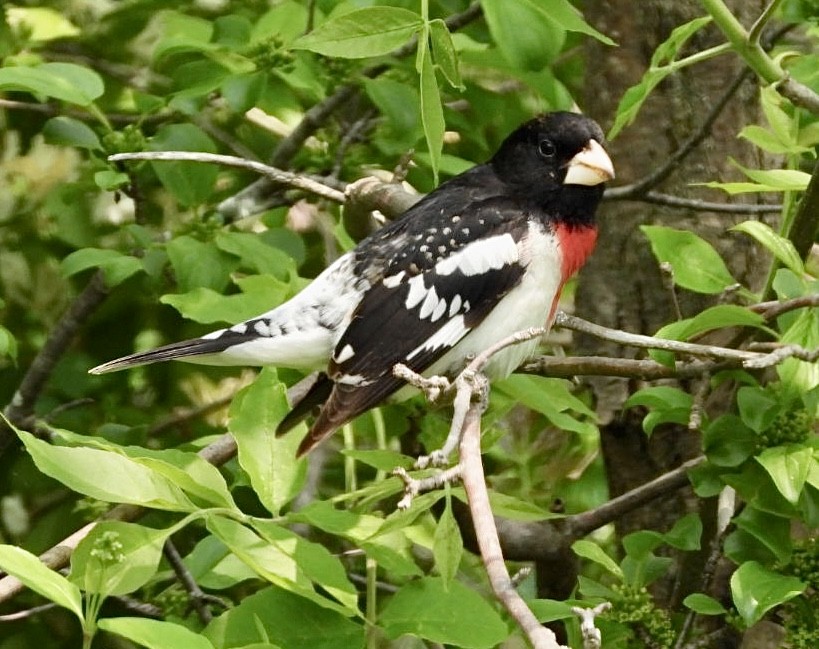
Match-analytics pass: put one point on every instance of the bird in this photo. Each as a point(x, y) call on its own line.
point(479, 258)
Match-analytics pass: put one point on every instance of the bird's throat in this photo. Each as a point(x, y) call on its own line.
point(576, 244)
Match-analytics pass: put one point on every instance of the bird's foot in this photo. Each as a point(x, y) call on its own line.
point(432, 387)
point(438, 458)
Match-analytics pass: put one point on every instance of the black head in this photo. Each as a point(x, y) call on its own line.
point(552, 152)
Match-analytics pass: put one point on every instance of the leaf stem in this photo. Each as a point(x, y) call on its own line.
point(699, 57)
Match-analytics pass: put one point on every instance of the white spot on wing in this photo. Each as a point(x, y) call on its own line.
point(455, 305)
point(239, 328)
point(394, 280)
point(439, 310)
point(262, 328)
point(357, 380)
point(446, 336)
point(481, 256)
point(346, 353)
point(417, 291)
point(430, 303)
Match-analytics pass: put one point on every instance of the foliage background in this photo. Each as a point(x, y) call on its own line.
point(98, 259)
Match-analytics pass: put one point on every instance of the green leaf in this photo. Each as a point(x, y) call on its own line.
point(728, 442)
point(199, 264)
point(45, 24)
point(549, 610)
point(448, 546)
point(686, 533)
point(777, 179)
point(195, 475)
point(381, 459)
point(282, 618)
point(777, 245)
point(526, 36)
point(757, 407)
point(8, 344)
point(191, 183)
point(269, 461)
point(258, 254)
point(274, 562)
point(140, 548)
point(154, 634)
point(704, 605)
point(457, 616)
point(788, 468)
point(801, 377)
point(260, 293)
point(110, 180)
point(772, 531)
point(116, 267)
point(68, 82)
point(661, 66)
point(715, 317)
point(668, 405)
point(41, 579)
point(316, 561)
point(213, 565)
point(696, 265)
point(593, 552)
point(364, 33)
point(563, 14)
point(446, 58)
point(67, 131)
point(756, 590)
point(106, 476)
point(432, 113)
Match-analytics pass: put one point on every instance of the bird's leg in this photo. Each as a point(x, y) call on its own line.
point(468, 384)
point(414, 486)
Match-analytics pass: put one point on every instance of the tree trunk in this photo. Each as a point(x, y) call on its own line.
point(622, 287)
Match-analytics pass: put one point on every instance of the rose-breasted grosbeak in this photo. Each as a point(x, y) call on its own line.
point(483, 256)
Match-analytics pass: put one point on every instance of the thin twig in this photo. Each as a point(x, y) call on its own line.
point(282, 177)
point(567, 321)
point(695, 204)
point(579, 525)
point(21, 407)
point(655, 177)
point(185, 577)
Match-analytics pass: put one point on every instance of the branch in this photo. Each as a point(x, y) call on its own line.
point(21, 407)
point(486, 534)
point(757, 59)
point(629, 368)
point(805, 227)
point(669, 200)
point(579, 525)
point(654, 178)
point(562, 319)
point(277, 175)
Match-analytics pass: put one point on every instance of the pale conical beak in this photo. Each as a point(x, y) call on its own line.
point(591, 166)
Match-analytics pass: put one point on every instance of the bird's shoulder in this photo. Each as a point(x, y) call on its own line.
point(471, 207)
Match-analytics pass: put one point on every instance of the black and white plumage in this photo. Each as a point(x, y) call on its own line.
point(483, 256)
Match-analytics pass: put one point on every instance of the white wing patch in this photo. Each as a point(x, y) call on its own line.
point(481, 256)
point(446, 336)
point(346, 353)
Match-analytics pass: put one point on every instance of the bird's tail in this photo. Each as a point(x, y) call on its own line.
point(186, 350)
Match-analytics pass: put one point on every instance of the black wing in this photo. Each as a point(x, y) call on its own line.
point(439, 286)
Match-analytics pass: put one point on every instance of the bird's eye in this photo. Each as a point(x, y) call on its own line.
point(546, 148)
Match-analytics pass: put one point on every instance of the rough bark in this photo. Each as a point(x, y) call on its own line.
point(622, 286)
